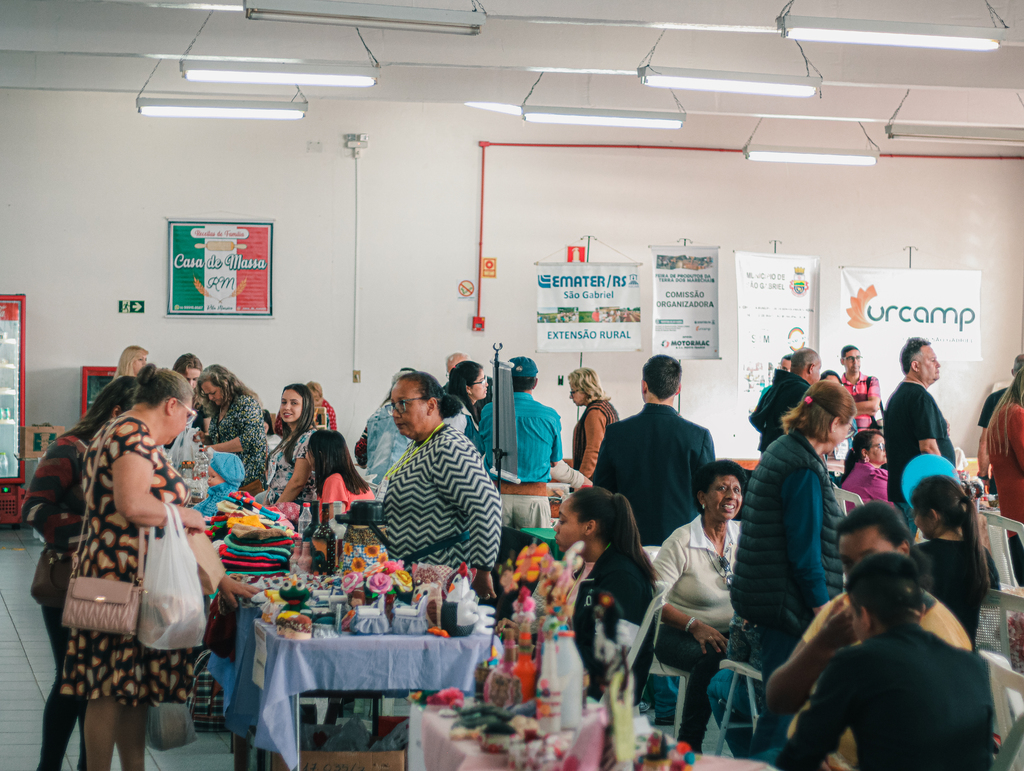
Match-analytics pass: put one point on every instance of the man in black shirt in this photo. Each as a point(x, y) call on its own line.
point(913, 422)
point(911, 700)
point(983, 421)
point(785, 392)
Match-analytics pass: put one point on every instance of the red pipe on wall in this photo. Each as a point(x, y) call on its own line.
point(485, 145)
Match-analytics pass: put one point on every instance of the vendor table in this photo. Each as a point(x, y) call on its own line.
point(545, 535)
point(349, 663)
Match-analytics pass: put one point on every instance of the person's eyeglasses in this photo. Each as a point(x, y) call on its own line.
point(728, 570)
point(879, 446)
point(851, 430)
point(854, 358)
point(478, 382)
point(403, 404)
point(191, 412)
point(574, 391)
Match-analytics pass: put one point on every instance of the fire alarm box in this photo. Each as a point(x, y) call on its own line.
point(478, 323)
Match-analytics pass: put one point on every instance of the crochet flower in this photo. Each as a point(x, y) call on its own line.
point(347, 548)
point(393, 566)
point(358, 564)
point(403, 581)
point(373, 567)
point(379, 583)
point(351, 581)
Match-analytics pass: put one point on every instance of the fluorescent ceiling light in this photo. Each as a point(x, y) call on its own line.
point(507, 109)
point(366, 15)
point(729, 82)
point(890, 33)
point(279, 74)
point(220, 108)
point(974, 134)
point(809, 155)
point(579, 116)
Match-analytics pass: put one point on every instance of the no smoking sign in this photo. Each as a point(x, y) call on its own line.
point(466, 289)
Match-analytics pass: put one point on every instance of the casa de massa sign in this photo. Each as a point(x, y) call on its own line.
point(220, 268)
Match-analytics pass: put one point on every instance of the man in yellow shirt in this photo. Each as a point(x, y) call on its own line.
point(873, 528)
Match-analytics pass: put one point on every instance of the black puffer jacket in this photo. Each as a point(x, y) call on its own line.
point(784, 394)
point(764, 590)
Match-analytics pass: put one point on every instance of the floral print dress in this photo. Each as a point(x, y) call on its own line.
point(280, 472)
point(99, 664)
point(244, 420)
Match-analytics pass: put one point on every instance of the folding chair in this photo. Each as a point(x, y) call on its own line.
point(844, 498)
point(1007, 692)
point(1011, 751)
point(999, 529)
point(993, 632)
point(657, 668)
point(749, 674)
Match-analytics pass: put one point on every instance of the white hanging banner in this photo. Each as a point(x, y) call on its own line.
point(686, 301)
point(882, 307)
point(591, 306)
point(777, 303)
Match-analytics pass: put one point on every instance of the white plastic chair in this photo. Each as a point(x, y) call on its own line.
point(1007, 692)
point(844, 497)
point(1011, 751)
point(999, 541)
point(993, 632)
point(749, 673)
point(657, 668)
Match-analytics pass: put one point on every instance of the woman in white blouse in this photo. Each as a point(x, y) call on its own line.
point(695, 564)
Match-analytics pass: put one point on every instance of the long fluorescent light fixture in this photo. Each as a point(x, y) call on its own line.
point(808, 155)
point(279, 74)
point(581, 116)
point(366, 15)
point(507, 109)
point(890, 33)
point(974, 134)
point(729, 82)
point(220, 108)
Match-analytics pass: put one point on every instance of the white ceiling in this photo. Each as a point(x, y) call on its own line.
point(589, 49)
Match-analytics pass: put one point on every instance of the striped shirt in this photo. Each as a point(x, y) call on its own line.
point(441, 491)
point(864, 389)
point(55, 502)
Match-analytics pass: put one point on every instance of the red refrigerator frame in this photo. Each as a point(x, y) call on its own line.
point(90, 372)
point(20, 418)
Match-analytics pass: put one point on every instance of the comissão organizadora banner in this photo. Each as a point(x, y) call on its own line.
point(591, 306)
point(686, 301)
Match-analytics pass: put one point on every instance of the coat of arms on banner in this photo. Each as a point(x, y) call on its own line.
point(799, 284)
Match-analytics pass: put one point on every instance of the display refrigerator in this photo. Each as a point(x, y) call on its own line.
point(94, 380)
point(12, 406)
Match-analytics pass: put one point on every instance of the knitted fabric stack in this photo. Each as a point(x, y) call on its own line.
point(256, 551)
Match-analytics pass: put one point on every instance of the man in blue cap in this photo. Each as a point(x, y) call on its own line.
point(539, 446)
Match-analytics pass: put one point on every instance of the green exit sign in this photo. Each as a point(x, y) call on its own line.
point(131, 306)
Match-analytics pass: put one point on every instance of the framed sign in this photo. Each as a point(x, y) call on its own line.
point(219, 268)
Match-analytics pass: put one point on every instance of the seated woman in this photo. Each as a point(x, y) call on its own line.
point(336, 477)
point(289, 471)
point(864, 474)
point(962, 569)
point(696, 563)
point(604, 522)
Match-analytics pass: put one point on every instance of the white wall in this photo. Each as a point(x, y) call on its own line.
point(87, 183)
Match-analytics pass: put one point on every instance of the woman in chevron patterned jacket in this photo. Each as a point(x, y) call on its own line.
point(441, 506)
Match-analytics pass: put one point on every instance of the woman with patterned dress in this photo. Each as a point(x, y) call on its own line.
point(290, 474)
point(236, 422)
point(127, 481)
point(438, 492)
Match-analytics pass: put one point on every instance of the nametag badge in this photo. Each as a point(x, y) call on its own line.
point(382, 489)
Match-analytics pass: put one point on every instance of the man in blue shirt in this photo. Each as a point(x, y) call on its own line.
point(539, 446)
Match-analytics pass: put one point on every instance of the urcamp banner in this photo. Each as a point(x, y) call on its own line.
point(777, 303)
point(686, 301)
point(218, 268)
point(591, 306)
point(882, 307)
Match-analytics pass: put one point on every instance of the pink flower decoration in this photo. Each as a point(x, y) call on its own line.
point(351, 581)
point(393, 566)
point(449, 697)
point(379, 583)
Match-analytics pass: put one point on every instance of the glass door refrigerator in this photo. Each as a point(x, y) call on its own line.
point(12, 406)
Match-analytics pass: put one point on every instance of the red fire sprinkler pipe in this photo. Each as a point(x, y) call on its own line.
point(485, 145)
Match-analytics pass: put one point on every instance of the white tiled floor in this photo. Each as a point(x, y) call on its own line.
point(26, 674)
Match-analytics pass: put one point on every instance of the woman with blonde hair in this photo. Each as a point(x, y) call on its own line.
point(133, 358)
point(787, 565)
point(585, 391)
point(236, 422)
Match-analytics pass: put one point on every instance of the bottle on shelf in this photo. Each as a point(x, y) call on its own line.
point(4, 467)
point(305, 519)
point(324, 544)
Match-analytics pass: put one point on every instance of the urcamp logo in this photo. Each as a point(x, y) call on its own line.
point(863, 315)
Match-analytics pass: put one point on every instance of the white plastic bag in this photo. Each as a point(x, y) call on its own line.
point(169, 726)
point(171, 613)
point(184, 448)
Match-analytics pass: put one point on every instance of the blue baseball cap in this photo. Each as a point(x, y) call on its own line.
point(523, 366)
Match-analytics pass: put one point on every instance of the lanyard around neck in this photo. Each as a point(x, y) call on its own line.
point(408, 456)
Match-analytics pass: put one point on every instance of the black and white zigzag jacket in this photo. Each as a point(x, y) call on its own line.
point(441, 492)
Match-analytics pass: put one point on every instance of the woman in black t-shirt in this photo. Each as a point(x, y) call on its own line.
point(962, 569)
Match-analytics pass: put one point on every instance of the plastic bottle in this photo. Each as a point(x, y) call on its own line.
point(4, 468)
point(570, 668)
point(305, 521)
point(525, 669)
point(549, 688)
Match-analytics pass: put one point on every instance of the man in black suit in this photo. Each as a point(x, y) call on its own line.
point(785, 392)
point(650, 458)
